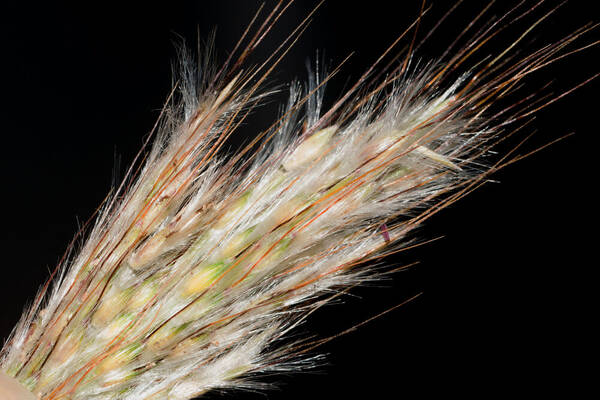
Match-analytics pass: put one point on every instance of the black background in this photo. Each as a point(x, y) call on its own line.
point(507, 293)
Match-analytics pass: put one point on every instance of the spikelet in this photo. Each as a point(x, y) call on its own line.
point(200, 264)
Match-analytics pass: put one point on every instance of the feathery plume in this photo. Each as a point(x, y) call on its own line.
point(200, 264)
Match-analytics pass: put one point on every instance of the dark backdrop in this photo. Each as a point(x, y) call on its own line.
point(507, 293)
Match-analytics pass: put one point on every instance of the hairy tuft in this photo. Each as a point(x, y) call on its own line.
point(200, 264)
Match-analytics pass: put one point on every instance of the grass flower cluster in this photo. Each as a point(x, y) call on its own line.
point(200, 263)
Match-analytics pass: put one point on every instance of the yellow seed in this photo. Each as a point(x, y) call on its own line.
point(142, 296)
point(233, 210)
point(66, 348)
point(288, 210)
point(310, 148)
point(225, 92)
point(424, 151)
point(188, 346)
point(160, 339)
point(238, 243)
point(198, 282)
point(118, 359)
point(148, 251)
point(116, 327)
point(110, 307)
point(201, 279)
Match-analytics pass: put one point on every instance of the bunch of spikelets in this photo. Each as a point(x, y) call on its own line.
point(199, 264)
